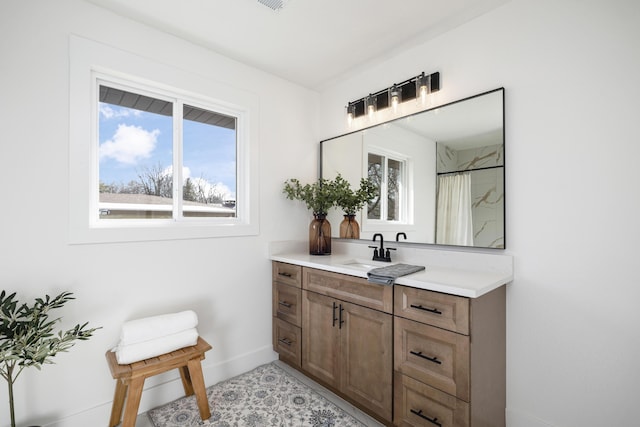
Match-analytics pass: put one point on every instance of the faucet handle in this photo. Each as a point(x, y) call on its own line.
point(375, 252)
point(388, 254)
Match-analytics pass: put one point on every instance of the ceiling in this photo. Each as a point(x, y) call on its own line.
point(308, 42)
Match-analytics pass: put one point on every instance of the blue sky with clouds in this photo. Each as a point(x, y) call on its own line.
point(131, 140)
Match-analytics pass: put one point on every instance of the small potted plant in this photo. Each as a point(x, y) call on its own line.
point(27, 336)
point(319, 198)
point(351, 201)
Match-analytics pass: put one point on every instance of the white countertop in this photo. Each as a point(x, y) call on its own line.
point(487, 274)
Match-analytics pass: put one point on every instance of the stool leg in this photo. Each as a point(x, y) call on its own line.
point(197, 381)
point(133, 401)
point(118, 403)
point(186, 380)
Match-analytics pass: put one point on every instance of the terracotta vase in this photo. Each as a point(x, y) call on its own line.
point(320, 235)
point(349, 228)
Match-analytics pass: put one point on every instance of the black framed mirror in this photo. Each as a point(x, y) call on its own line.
point(439, 172)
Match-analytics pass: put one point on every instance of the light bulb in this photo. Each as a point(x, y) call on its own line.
point(394, 95)
point(424, 88)
point(371, 107)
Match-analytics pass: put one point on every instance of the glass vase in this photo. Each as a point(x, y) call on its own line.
point(320, 235)
point(349, 228)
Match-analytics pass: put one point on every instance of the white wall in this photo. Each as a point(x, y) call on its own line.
point(226, 280)
point(570, 69)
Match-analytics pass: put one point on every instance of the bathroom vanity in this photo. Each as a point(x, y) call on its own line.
point(426, 351)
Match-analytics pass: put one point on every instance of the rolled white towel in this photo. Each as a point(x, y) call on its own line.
point(148, 328)
point(130, 353)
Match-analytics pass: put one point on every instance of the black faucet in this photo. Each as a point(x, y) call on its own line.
point(403, 234)
point(379, 254)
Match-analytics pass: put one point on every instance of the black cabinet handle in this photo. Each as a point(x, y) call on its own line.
point(430, 310)
point(430, 359)
point(334, 314)
point(341, 321)
point(284, 303)
point(424, 417)
point(285, 341)
point(285, 274)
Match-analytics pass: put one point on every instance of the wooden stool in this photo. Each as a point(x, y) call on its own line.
point(131, 377)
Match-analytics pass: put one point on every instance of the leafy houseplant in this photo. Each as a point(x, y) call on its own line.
point(319, 198)
point(351, 201)
point(27, 336)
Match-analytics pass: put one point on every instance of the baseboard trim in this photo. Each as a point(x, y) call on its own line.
point(517, 418)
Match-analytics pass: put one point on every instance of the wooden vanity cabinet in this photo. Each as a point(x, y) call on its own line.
point(347, 337)
point(450, 359)
point(410, 357)
point(287, 312)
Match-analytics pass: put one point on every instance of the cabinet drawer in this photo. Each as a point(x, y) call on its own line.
point(417, 404)
point(433, 356)
point(287, 341)
point(442, 310)
point(287, 273)
point(349, 288)
point(287, 303)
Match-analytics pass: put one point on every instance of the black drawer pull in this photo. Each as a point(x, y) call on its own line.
point(430, 359)
point(284, 273)
point(284, 303)
point(334, 314)
point(285, 341)
point(424, 417)
point(430, 310)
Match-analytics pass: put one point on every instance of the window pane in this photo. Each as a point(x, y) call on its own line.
point(375, 172)
point(209, 171)
point(135, 136)
point(394, 185)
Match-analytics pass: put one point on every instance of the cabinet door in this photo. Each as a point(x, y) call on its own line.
point(320, 337)
point(367, 357)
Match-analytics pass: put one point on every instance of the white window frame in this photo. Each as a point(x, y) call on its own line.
point(91, 62)
point(405, 216)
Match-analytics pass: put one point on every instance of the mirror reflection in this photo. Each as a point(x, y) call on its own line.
point(439, 174)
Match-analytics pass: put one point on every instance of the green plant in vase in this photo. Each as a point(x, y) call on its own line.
point(351, 201)
point(319, 197)
point(27, 337)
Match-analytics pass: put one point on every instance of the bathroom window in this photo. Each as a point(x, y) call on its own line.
point(388, 174)
point(157, 152)
point(163, 158)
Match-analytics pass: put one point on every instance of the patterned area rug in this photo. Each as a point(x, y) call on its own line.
point(265, 396)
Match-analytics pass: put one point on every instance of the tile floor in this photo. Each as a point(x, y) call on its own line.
point(143, 420)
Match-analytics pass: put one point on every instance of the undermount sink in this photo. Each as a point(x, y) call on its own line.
point(363, 264)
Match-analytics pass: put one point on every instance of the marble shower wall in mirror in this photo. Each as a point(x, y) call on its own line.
point(418, 159)
point(485, 167)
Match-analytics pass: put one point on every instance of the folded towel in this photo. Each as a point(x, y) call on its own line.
point(130, 353)
point(388, 275)
point(148, 328)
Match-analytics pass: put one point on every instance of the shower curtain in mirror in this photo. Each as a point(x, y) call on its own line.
point(455, 225)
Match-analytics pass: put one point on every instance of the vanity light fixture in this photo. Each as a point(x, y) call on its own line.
point(394, 96)
point(371, 104)
point(351, 112)
point(422, 83)
point(417, 88)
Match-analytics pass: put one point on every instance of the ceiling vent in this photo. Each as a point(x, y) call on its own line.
point(274, 4)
